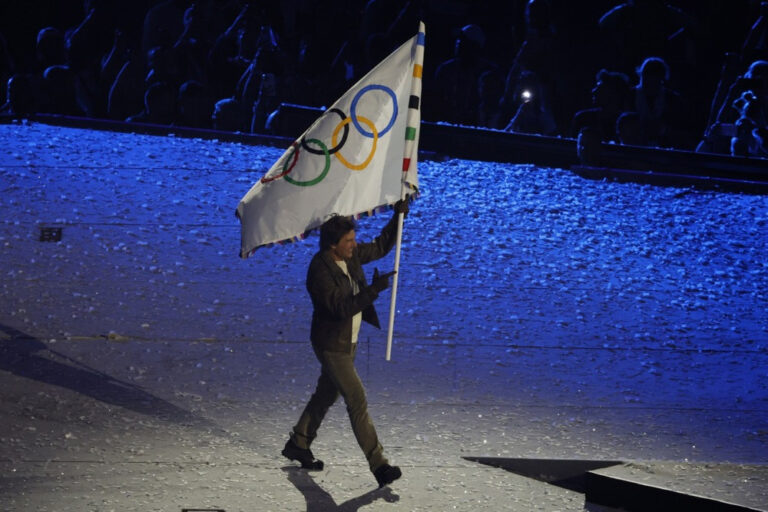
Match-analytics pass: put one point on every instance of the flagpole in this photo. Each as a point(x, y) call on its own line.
point(393, 300)
point(410, 157)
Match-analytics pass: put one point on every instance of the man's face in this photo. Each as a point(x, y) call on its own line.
point(346, 246)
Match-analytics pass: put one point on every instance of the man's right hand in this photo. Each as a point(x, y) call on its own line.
point(402, 206)
point(380, 282)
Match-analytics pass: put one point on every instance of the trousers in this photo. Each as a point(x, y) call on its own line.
point(338, 377)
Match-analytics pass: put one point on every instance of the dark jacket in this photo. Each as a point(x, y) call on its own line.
point(331, 293)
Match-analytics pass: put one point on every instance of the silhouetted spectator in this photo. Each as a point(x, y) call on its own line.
point(159, 105)
point(266, 103)
point(163, 24)
point(455, 94)
point(87, 44)
point(382, 22)
point(629, 129)
point(693, 54)
point(753, 83)
point(162, 67)
point(533, 114)
point(729, 72)
point(539, 36)
point(336, 56)
point(266, 61)
point(92, 38)
point(49, 51)
point(233, 51)
point(230, 115)
point(49, 48)
point(195, 105)
point(126, 94)
point(568, 69)
point(378, 16)
point(322, 65)
point(536, 57)
point(660, 109)
point(60, 87)
point(322, 72)
point(114, 60)
point(638, 28)
point(755, 79)
point(265, 84)
point(20, 100)
point(490, 88)
point(610, 97)
point(191, 49)
point(751, 128)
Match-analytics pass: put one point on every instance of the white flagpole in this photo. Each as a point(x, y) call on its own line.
point(394, 280)
point(410, 155)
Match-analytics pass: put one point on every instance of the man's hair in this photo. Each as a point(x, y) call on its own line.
point(333, 229)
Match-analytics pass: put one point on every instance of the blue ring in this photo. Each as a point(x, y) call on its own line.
point(354, 107)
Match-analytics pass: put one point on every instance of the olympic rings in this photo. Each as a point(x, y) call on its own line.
point(336, 147)
point(293, 156)
point(314, 181)
point(344, 123)
point(353, 108)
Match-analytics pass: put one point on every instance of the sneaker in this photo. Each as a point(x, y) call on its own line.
point(387, 474)
point(302, 455)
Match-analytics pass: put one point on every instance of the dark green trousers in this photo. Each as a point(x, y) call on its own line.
point(338, 376)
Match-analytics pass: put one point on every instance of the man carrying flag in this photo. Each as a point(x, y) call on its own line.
point(341, 299)
point(359, 157)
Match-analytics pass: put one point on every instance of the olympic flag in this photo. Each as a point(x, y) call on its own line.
point(358, 157)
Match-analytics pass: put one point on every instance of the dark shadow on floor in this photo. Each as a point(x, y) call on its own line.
point(319, 500)
point(26, 356)
point(569, 474)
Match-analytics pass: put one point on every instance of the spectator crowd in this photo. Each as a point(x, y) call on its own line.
point(682, 74)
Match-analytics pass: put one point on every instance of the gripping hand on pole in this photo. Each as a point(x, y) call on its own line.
point(402, 206)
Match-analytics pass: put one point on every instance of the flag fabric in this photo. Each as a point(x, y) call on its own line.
point(354, 159)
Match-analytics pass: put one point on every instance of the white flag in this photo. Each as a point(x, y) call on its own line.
point(354, 159)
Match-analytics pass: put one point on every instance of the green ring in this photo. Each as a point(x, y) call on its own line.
point(316, 180)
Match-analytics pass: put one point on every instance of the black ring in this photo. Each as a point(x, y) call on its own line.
point(341, 143)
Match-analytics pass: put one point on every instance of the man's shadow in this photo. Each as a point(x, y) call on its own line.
point(319, 500)
point(26, 356)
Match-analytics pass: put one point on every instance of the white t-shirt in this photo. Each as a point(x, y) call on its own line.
point(358, 318)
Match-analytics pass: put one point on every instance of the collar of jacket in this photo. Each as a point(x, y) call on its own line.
point(354, 267)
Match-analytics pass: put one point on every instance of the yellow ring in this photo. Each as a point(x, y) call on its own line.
point(371, 127)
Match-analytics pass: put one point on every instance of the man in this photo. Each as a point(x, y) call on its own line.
point(341, 299)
